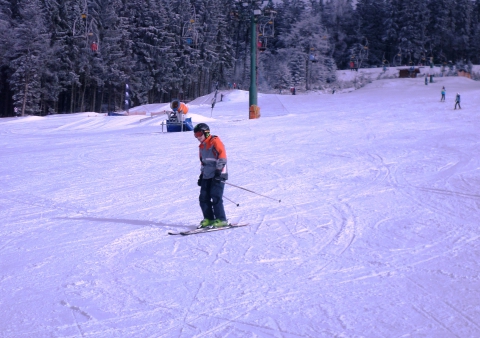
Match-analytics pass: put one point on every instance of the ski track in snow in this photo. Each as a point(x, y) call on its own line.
point(376, 234)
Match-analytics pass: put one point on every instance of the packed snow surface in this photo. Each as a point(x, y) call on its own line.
point(376, 234)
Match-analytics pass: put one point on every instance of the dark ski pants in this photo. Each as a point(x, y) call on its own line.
point(457, 103)
point(211, 199)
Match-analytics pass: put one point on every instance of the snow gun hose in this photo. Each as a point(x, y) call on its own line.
point(253, 192)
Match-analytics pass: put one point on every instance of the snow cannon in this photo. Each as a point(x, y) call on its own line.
point(176, 118)
point(179, 107)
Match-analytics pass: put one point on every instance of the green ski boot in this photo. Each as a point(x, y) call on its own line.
point(206, 223)
point(219, 224)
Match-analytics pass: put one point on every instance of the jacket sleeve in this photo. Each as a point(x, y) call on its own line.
point(222, 154)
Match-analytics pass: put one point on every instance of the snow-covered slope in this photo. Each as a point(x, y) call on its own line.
point(376, 235)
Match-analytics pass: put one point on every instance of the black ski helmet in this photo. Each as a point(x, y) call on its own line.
point(201, 128)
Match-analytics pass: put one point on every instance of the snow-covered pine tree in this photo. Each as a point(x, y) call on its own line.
point(370, 18)
point(421, 35)
point(58, 71)
point(308, 38)
point(406, 32)
point(71, 53)
point(297, 68)
point(289, 12)
point(462, 15)
point(179, 59)
point(110, 58)
point(390, 36)
point(27, 57)
point(5, 31)
point(144, 35)
point(441, 29)
point(51, 76)
point(210, 16)
point(474, 51)
point(273, 72)
point(6, 42)
point(183, 44)
point(339, 21)
point(167, 54)
point(406, 35)
point(222, 43)
point(282, 77)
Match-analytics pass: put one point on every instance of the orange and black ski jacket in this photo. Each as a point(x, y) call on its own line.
point(213, 157)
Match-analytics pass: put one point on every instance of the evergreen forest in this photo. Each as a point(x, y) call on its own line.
point(66, 56)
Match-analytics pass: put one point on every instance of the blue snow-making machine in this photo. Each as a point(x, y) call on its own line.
point(176, 118)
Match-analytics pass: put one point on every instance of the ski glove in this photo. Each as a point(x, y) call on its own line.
point(218, 176)
point(199, 182)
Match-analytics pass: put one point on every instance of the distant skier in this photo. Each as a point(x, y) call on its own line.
point(213, 159)
point(426, 80)
point(443, 94)
point(457, 101)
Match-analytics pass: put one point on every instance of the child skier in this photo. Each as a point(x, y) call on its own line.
point(213, 159)
point(443, 94)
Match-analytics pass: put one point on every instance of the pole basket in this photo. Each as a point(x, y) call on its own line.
point(254, 112)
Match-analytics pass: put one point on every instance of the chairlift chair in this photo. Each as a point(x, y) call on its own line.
point(312, 57)
point(261, 45)
point(189, 31)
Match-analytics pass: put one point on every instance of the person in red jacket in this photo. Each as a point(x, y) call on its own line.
point(213, 159)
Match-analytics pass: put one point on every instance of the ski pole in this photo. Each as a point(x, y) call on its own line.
point(253, 192)
point(231, 200)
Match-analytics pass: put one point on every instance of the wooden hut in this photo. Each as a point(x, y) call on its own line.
point(464, 73)
point(408, 72)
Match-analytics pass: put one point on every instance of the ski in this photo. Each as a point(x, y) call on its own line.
point(202, 230)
